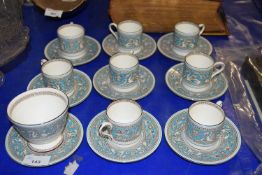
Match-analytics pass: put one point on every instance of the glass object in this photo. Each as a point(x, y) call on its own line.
point(14, 35)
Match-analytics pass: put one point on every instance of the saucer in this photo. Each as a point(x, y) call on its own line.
point(227, 148)
point(102, 147)
point(17, 148)
point(148, 46)
point(101, 82)
point(165, 46)
point(83, 86)
point(173, 80)
point(92, 45)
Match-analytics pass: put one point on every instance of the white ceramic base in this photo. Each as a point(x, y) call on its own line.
point(123, 146)
point(124, 89)
point(72, 56)
point(205, 148)
point(48, 146)
point(193, 89)
point(136, 51)
point(181, 52)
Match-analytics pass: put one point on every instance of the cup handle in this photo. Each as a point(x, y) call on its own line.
point(218, 70)
point(112, 30)
point(43, 61)
point(202, 28)
point(105, 126)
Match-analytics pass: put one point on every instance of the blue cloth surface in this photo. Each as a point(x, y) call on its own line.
point(162, 103)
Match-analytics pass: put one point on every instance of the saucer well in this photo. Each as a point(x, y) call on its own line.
point(92, 45)
point(101, 146)
point(165, 46)
point(83, 86)
point(229, 143)
point(17, 148)
point(148, 46)
point(101, 82)
point(173, 80)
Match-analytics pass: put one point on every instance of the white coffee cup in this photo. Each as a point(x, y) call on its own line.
point(128, 36)
point(186, 36)
point(71, 40)
point(58, 74)
point(199, 70)
point(123, 124)
point(204, 124)
point(40, 116)
point(124, 72)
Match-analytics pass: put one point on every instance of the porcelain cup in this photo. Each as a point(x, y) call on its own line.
point(123, 124)
point(58, 74)
point(186, 35)
point(199, 70)
point(204, 124)
point(71, 41)
point(124, 72)
point(40, 116)
point(128, 36)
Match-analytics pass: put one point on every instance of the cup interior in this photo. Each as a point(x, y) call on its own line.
point(124, 111)
point(56, 67)
point(37, 106)
point(206, 114)
point(187, 28)
point(199, 61)
point(70, 30)
point(123, 61)
point(130, 26)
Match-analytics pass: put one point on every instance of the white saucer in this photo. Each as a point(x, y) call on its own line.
point(93, 47)
point(83, 86)
point(227, 147)
point(17, 148)
point(173, 78)
point(101, 146)
point(101, 81)
point(110, 46)
point(165, 46)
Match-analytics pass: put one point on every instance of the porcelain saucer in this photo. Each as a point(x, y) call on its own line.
point(17, 148)
point(173, 80)
point(165, 46)
point(92, 45)
point(101, 146)
point(83, 86)
point(148, 46)
point(229, 143)
point(101, 82)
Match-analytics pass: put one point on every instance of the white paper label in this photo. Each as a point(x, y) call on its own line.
point(53, 13)
point(33, 160)
point(71, 168)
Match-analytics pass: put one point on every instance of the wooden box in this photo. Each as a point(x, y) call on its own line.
point(162, 15)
